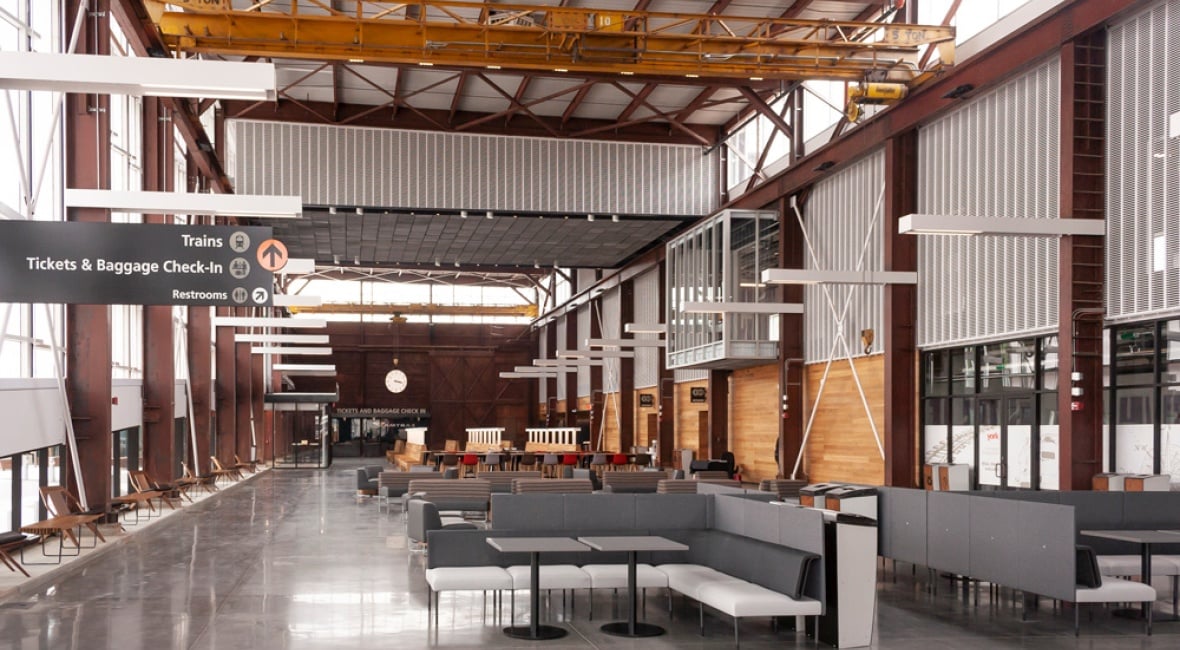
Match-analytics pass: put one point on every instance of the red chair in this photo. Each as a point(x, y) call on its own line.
point(619, 461)
point(470, 462)
point(569, 460)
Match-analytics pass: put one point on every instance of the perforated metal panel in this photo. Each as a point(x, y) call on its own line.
point(583, 334)
point(612, 304)
point(840, 215)
point(562, 389)
point(647, 310)
point(996, 156)
point(1143, 165)
point(335, 165)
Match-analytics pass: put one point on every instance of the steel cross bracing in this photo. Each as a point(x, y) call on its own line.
point(702, 48)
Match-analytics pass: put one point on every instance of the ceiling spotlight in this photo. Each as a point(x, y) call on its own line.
point(488, 214)
point(493, 67)
point(356, 260)
point(560, 70)
point(425, 64)
point(456, 263)
point(626, 73)
point(463, 213)
point(437, 263)
point(360, 210)
point(589, 217)
point(356, 60)
point(332, 210)
point(336, 260)
point(536, 264)
point(614, 218)
point(692, 76)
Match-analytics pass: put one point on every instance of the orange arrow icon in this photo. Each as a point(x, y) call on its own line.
point(272, 255)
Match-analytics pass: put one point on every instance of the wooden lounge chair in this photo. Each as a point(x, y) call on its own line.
point(178, 486)
point(250, 465)
point(11, 542)
point(59, 503)
point(220, 471)
point(144, 485)
point(207, 482)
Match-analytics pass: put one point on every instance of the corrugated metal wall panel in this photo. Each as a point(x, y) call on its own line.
point(647, 310)
point(562, 377)
point(996, 156)
point(336, 165)
point(841, 213)
point(681, 376)
point(612, 310)
point(1143, 166)
point(583, 334)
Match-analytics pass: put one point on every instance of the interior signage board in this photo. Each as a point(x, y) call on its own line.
point(647, 400)
point(697, 394)
point(135, 264)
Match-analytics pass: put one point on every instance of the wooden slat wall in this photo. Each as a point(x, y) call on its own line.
point(643, 436)
point(841, 447)
point(687, 415)
point(753, 427)
point(610, 423)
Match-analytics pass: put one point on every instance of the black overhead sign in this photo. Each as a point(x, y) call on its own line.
point(133, 264)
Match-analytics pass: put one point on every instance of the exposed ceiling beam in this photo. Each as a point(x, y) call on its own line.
point(572, 107)
point(769, 113)
point(458, 97)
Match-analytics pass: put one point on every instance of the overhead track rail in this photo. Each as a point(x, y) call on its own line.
point(699, 49)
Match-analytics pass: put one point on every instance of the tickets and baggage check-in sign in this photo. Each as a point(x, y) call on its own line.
point(133, 264)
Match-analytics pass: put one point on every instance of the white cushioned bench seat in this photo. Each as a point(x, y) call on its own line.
point(552, 576)
point(688, 578)
point(1116, 590)
point(614, 576)
point(474, 578)
point(739, 599)
point(1130, 565)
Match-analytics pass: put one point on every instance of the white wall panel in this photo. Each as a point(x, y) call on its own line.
point(583, 373)
point(996, 156)
point(840, 215)
point(128, 412)
point(336, 165)
point(34, 415)
point(647, 310)
point(1143, 166)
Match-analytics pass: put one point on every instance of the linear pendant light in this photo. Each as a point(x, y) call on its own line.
point(954, 224)
point(809, 276)
point(288, 323)
point(219, 205)
point(268, 349)
point(310, 339)
point(742, 308)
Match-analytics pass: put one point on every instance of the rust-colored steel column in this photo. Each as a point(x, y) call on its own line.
point(1081, 259)
point(718, 400)
point(626, 379)
point(200, 372)
point(551, 396)
point(901, 315)
point(227, 395)
point(790, 348)
point(88, 329)
point(243, 391)
point(571, 379)
point(261, 435)
point(159, 367)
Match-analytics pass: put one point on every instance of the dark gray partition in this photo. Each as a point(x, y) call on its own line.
point(948, 531)
point(600, 511)
point(729, 514)
point(801, 528)
point(528, 511)
point(1044, 554)
point(995, 539)
point(667, 511)
point(902, 524)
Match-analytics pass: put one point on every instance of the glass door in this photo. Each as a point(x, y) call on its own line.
point(991, 443)
point(1018, 438)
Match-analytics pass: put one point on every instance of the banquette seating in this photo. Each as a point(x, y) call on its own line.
point(552, 486)
point(731, 540)
point(392, 485)
point(501, 482)
point(632, 482)
point(467, 495)
point(366, 478)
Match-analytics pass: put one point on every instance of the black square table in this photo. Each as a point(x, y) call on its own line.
point(632, 545)
point(535, 546)
point(1144, 538)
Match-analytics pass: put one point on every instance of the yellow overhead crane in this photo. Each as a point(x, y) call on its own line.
point(693, 48)
point(419, 309)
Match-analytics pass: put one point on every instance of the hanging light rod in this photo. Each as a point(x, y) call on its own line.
point(133, 75)
point(599, 354)
point(550, 371)
point(266, 349)
point(567, 363)
point(938, 224)
point(219, 205)
point(312, 339)
point(287, 323)
point(644, 328)
point(624, 343)
point(742, 307)
point(306, 369)
point(807, 276)
point(524, 375)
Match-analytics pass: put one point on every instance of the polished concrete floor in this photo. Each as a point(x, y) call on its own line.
point(293, 559)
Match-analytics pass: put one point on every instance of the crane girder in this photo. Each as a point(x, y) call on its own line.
point(691, 48)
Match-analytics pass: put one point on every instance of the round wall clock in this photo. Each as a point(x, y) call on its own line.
point(395, 381)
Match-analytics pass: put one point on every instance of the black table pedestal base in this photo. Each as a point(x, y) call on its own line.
point(544, 632)
point(623, 628)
